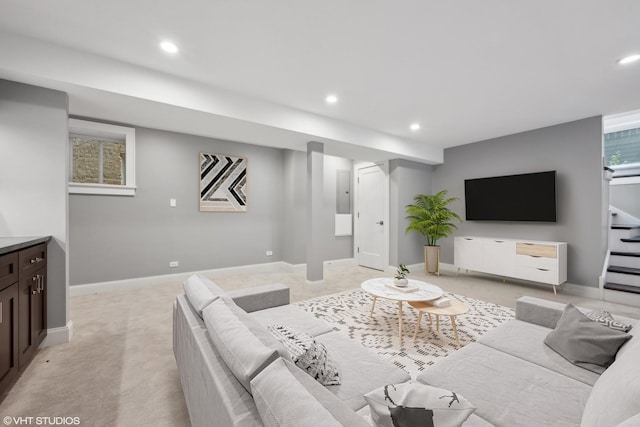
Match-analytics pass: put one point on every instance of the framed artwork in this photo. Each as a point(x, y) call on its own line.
point(223, 183)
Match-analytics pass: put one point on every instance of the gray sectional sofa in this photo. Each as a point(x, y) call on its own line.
point(511, 377)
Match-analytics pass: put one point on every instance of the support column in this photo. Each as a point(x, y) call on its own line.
point(315, 191)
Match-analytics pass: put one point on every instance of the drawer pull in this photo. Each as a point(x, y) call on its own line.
point(466, 238)
point(499, 241)
point(535, 256)
point(36, 259)
point(543, 269)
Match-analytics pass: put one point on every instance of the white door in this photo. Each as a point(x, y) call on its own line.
point(370, 218)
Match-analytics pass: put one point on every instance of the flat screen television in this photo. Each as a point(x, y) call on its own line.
point(524, 197)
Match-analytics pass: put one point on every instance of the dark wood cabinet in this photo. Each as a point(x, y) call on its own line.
point(23, 310)
point(8, 337)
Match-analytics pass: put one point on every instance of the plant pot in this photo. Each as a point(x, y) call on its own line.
point(432, 260)
point(400, 282)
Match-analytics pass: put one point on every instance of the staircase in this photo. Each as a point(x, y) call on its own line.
point(623, 273)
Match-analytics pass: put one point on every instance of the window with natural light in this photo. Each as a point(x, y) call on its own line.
point(622, 147)
point(102, 158)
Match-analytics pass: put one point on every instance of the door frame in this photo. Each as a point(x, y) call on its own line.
point(384, 165)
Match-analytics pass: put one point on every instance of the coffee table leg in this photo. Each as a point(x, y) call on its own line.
point(373, 305)
point(415, 333)
point(455, 329)
point(437, 323)
point(400, 320)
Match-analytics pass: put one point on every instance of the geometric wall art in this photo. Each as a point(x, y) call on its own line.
point(223, 183)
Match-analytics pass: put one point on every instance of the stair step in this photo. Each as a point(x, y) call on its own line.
point(622, 288)
point(617, 253)
point(632, 240)
point(624, 226)
point(624, 270)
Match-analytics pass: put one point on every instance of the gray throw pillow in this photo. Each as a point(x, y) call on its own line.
point(584, 342)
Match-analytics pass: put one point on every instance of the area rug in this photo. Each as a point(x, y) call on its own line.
point(348, 312)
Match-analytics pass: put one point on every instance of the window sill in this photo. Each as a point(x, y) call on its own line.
point(102, 189)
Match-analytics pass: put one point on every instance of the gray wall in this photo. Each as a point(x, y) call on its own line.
point(406, 179)
point(332, 246)
point(626, 197)
point(113, 238)
point(294, 241)
point(33, 178)
point(295, 222)
point(574, 150)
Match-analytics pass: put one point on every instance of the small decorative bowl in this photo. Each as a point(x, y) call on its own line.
point(400, 282)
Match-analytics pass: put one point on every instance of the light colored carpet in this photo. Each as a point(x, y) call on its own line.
point(119, 369)
point(349, 313)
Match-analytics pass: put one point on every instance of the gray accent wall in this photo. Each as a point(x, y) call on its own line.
point(294, 237)
point(117, 238)
point(114, 238)
point(572, 149)
point(33, 179)
point(406, 179)
point(331, 247)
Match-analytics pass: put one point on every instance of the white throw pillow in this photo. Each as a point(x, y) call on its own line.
point(415, 404)
point(308, 354)
point(605, 318)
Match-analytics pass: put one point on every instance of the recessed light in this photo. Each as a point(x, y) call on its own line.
point(629, 59)
point(331, 99)
point(169, 47)
point(414, 126)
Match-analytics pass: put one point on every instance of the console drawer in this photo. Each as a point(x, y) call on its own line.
point(537, 249)
point(535, 274)
point(537, 262)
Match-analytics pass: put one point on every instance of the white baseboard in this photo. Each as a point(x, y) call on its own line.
point(56, 336)
point(582, 291)
point(141, 282)
point(626, 298)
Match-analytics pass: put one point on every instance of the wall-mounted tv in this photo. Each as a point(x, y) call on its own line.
point(524, 197)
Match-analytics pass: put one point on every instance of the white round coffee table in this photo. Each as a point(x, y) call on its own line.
point(381, 288)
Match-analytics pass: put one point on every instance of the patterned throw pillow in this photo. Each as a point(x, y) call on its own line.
point(308, 354)
point(605, 318)
point(415, 404)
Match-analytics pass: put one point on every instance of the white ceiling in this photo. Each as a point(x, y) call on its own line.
point(258, 71)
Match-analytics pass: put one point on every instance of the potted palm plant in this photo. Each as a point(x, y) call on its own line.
point(430, 216)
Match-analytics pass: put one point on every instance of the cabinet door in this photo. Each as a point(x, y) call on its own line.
point(39, 311)
point(467, 253)
point(500, 257)
point(26, 297)
point(8, 337)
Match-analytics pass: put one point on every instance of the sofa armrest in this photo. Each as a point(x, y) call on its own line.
point(260, 297)
point(539, 311)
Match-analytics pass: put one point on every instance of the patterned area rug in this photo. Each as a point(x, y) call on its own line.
point(348, 312)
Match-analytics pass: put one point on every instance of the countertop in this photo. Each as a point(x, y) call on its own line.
point(11, 244)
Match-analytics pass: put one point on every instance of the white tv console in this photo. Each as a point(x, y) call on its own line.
point(537, 261)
